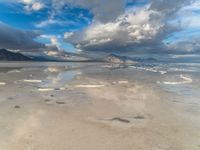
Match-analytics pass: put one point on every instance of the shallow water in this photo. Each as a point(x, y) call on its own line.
point(151, 104)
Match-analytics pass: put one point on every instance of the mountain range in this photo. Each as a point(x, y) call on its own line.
point(6, 55)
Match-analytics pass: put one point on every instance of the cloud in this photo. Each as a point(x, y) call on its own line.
point(32, 5)
point(169, 7)
point(68, 35)
point(47, 22)
point(190, 16)
point(130, 30)
point(54, 42)
point(140, 29)
point(52, 20)
point(11, 38)
point(102, 10)
point(191, 46)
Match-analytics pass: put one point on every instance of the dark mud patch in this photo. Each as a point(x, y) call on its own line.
point(139, 117)
point(60, 103)
point(47, 100)
point(120, 120)
point(17, 107)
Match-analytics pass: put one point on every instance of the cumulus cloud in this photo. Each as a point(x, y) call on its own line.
point(129, 30)
point(11, 38)
point(141, 29)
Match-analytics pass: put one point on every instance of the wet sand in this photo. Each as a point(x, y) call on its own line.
point(93, 107)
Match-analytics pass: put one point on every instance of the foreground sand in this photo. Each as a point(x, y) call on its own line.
point(97, 109)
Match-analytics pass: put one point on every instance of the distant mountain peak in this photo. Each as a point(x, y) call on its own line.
point(113, 58)
point(6, 55)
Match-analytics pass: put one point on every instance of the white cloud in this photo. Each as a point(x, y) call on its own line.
point(52, 53)
point(68, 34)
point(51, 20)
point(46, 23)
point(37, 6)
point(32, 5)
point(189, 15)
point(54, 41)
point(139, 29)
point(27, 1)
point(134, 27)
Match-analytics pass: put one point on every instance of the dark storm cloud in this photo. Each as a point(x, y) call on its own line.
point(103, 10)
point(11, 38)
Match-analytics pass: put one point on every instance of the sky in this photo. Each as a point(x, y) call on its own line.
point(97, 27)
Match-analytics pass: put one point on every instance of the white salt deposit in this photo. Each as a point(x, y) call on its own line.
point(123, 82)
point(2, 83)
point(52, 69)
point(172, 83)
point(14, 71)
point(50, 89)
point(187, 80)
point(90, 86)
point(163, 72)
point(33, 81)
point(107, 66)
point(45, 89)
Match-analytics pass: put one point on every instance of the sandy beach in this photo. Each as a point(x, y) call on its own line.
point(94, 107)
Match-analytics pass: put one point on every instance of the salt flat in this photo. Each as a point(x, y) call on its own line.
point(100, 108)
